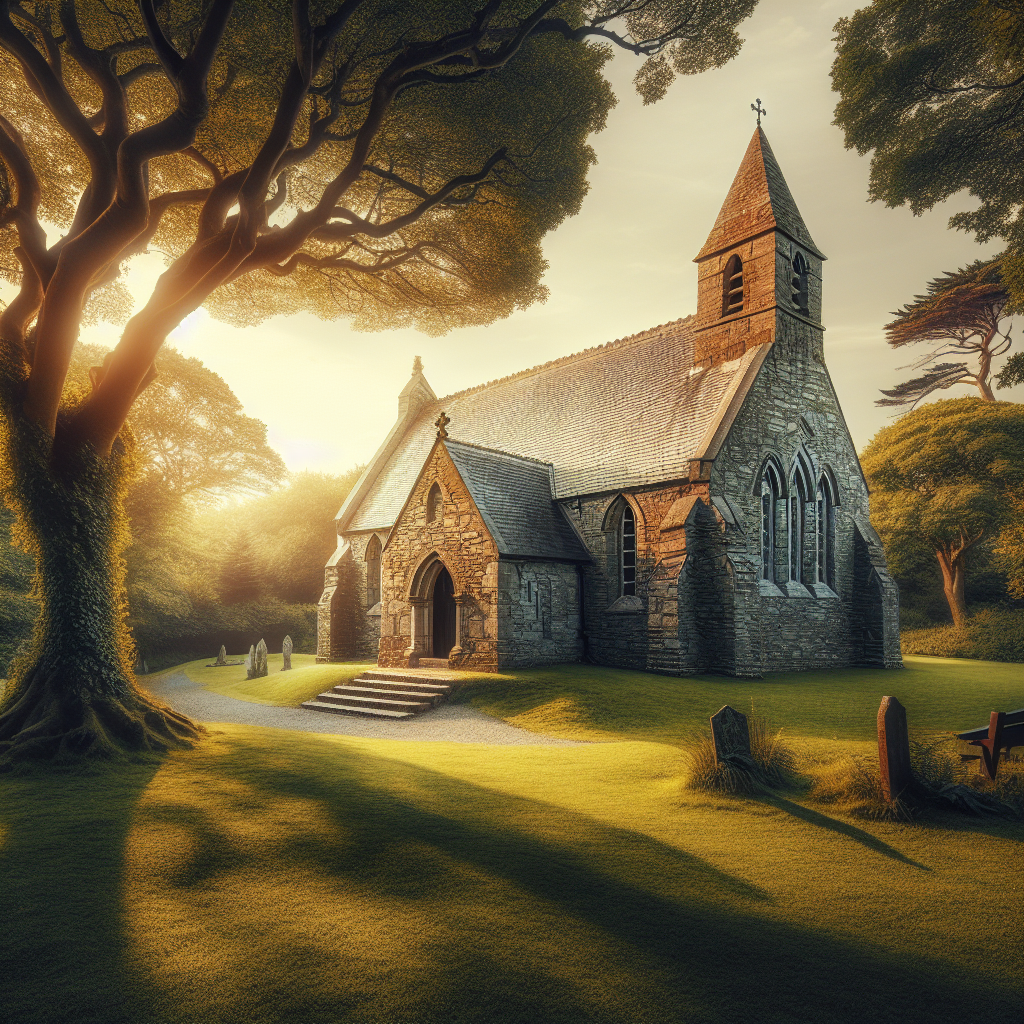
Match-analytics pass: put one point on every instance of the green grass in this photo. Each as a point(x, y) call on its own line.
point(275, 876)
point(991, 634)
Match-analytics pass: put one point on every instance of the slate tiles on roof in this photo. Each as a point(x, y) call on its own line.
point(514, 497)
point(628, 414)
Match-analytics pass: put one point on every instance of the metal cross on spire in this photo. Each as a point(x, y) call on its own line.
point(759, 110)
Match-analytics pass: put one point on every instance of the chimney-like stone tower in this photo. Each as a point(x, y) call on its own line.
point(759, 273)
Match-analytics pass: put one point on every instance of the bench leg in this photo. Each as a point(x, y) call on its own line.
point(990, 746)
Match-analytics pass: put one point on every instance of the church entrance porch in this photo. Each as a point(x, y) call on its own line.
point(444, 611)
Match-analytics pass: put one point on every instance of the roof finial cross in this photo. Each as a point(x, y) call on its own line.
point(441, 422)
point(759, 110)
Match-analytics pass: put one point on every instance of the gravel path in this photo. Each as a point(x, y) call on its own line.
point(450, 723)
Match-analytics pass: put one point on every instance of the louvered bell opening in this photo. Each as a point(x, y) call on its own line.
point(734, 293)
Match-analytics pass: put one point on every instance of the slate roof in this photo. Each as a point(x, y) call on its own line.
point(514, 497)
point(627, 414)
point(759, 200)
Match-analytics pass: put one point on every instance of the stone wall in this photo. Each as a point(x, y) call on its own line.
point(459, 539)
point(538, 613)
point(348, 626)
point(793, 625)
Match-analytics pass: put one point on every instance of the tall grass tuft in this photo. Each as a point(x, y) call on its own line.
point(853, 785)
point(771, 765)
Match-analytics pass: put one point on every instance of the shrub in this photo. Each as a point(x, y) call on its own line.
point(771, 765)
point(989, 635)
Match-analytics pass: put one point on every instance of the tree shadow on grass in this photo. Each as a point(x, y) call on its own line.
point(62, 942)
point(473, 905)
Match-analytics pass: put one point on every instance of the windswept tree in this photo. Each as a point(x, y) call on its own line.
point(934, 90)
point(962, 314)
point(947, 476)
point(392, 163)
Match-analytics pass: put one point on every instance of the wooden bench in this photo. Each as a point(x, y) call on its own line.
point(1005, 730)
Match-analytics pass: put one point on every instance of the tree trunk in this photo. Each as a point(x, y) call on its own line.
point(74, 693)
point(952, 565)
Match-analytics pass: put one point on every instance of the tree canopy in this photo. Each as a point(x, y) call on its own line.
point(934, 89)
point(945, 475)
point(961, 314)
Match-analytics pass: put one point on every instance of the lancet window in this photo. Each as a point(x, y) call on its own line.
point(801, 499)
point(435, 504)
point(628, 550)
point(373, 550)
point(798, 286)
point(825, 531)
point(771, 501)
point(732, 286)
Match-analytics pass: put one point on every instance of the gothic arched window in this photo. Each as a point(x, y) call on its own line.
point(628, 551)
point(435, 504)
point(799, 283)
point(825, 531)
point(732, 286)
point(801, 555)
point(771, 494)
point(373, 550)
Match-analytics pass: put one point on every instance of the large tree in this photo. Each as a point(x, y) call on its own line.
point(945, 475)
point(962, 314)
point(395, 163)
point(934, 89)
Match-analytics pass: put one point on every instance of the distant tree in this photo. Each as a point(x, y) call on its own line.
point(945, 475)
point(240, 579)
point(392, 163)
point(935, 90)
point(1010, 549)
point(961, 314)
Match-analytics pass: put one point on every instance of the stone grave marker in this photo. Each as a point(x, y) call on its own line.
point(261, 660)
point(731, 733)
point(250, 663)
point(286, 651)
point(222, 656)
point(893, 748)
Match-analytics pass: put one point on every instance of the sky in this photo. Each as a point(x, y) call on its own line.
point(329, 394)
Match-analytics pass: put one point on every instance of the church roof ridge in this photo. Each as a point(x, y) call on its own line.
point(646, 335)
point(496, 451)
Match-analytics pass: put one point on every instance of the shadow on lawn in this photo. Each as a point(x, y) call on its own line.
point(317, 882)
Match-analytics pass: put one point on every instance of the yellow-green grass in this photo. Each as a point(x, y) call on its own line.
point(275, 876)
point(592, 703)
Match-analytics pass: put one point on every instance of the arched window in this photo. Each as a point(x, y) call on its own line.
point(373, 572)
point(799, 283)
point(732, 286)
point(825, 531)
point(628, 549)
point(800, 498)
point(771, 493)
point(435, 504)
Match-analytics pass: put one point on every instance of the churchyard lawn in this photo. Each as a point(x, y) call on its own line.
point(281, 876)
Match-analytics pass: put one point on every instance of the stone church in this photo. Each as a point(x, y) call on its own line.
point(687, 499)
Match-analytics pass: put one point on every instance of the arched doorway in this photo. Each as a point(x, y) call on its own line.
point(443, 615)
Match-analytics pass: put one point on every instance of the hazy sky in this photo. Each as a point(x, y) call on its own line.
point(329, 394)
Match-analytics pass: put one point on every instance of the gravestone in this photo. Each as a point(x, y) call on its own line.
point(731, 734)
point(286, 652)
point(261, 660)
point(222, 656)
point(250, 663)
point(893, 748)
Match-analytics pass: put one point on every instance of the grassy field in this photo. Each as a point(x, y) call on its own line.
point(277, 876)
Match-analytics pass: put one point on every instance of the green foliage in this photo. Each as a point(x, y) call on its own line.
point(1012, 372)
point(934, 88)
point(990, 634)
point(239, 577)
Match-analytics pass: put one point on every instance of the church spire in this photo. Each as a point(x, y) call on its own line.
point(758, 201)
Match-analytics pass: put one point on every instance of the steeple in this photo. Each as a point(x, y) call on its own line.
point(758, 264)
point(416, 393)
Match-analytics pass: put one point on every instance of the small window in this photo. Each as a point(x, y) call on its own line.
point(771, 493)
point(798, 288)
point(628, 552)
point(732, 286)
point(373, 551)
point(435, 504)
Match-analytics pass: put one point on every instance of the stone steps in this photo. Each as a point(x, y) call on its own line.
point(380, 693)
point(441, 663)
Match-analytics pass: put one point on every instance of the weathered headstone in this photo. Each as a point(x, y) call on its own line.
point(731, 733)
point(222, 656)
point(286, 652)
point(893, 748)
point(250, 663)
point(261, 660)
